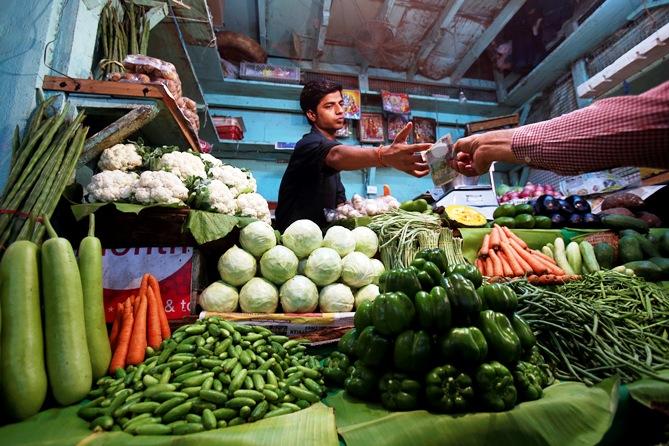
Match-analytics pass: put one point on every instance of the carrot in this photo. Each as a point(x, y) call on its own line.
point(497, 268)
point(480, 265)
point(523, 264)
point(537, 265)
point(552, 269)
point(116, 326)
point(543, 256)
point(511, 259)
point(137, 348)
point(118, 358)
point(502, 235)
point(494, 238)
point(513, 236)
point(488, 267)
point(164, 325)
point(508, 272)
point(484, 246)
point(153, 336)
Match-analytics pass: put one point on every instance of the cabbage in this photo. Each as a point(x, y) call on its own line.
point(368, 292)
point(278, 264)
point(357, 270)
point(302, 237)
point(378, 268)
point(366, 240)
point(257, 237)
point(340, 239)
point(301, 266)
point(323, 266)
point(236, 266)
point(219, 296)
point(258, 296)
point(298, 295)
point(336, 298)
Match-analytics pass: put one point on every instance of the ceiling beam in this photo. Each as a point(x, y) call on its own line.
point(322, 29)
point(437, 31)
point(475, 51)
point(608, 18)
point(262, 23)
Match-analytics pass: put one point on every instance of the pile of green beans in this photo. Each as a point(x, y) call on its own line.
point(208, 375)
point(606, 324)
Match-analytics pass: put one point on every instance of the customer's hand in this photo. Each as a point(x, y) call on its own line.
point(475, 153)
point(405, 157)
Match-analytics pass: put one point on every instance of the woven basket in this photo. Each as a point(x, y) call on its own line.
point(603, 237)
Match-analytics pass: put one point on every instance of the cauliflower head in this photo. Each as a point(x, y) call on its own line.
point(111, 185)
point(212, 195)
point(120, 157)
point(210, 161)
point(237, 180)
point(254, 205)
point(182, 164)
point(160, 187)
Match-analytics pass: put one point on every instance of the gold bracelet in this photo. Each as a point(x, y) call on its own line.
point(378, 155)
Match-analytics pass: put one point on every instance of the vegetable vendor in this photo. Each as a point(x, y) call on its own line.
point(311, 183)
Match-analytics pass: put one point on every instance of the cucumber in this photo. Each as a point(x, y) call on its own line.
point(589, 258)
point(625, 232)
point(663, 264)
point(605, 255)
point(573, 253)
point(67, 358)
point(24, 382)
point(630, 249)
point(561, 257)
point(648, 248)
point(90, 268)
point(621, 222)
point(646, 269)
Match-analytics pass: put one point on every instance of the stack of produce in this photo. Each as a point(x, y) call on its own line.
point(645, 255)
point(77, 350)
point(208, 375)
point(360, 207)
point(456, 345)
point(140, 325)
point(504, 255)
point(519, 194)
point(43, 163)
point(574, 211)
point(606, 324)
point(310, 271)
point(629, 205)
point(520, 216)
point(134, 173)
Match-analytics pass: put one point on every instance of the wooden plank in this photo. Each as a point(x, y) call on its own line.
point(118, 131)
point(491, 124)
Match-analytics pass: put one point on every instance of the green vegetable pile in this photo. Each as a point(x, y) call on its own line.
point(437, 338)
point(208, 375)
point(608, 323)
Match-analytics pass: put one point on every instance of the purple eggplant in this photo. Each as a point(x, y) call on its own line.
point(557, 220)
point(575, 221)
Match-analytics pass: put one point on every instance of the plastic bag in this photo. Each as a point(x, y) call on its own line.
point(138, 63)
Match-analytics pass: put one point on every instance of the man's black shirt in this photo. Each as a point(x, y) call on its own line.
point(308, 185)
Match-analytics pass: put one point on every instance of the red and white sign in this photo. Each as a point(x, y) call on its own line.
point(123, 268)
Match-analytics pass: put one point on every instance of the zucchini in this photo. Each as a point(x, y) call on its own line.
point(648, 248)
point(630, 249)
point(67, 359)
point(663, 264)
point(605, 255)
point(573, 253)
point(90, 268)
point(646, 269)
point(24, 382)
point(621, 222)
point(561, 257)
point(589, 258)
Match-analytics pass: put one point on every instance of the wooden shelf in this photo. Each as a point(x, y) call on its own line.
point(170, 127)
point(252, 150)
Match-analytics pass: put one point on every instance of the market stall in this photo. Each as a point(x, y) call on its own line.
point(148, 294)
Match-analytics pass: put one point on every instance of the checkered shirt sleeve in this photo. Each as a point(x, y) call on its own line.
point(614, 132)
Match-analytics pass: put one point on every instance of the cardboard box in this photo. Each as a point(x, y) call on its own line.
point(178, 270)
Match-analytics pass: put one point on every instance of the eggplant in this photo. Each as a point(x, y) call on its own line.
point(546, 205)
point(579, 204)
point(575, 220)
point(557, 220)
point(590, 220)
point(565, 209)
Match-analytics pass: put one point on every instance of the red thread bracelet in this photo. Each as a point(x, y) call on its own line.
point(378, 155)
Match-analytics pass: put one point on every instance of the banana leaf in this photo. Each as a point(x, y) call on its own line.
point(568, 414)
point(56, 427)
point(652, 393)
point(210, 226)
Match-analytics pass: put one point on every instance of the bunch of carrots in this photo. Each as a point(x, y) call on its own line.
point(505, 255)
point(140, 321)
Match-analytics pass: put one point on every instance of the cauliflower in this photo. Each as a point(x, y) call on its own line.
point(210, 160)
point(254, 205)
point(239, 181)
point(160, 187)
point(111, 185)
point(213, 195)
point(120, 157)
point(182, 164)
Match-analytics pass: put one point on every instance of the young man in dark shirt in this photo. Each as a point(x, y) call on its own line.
point(311, 182)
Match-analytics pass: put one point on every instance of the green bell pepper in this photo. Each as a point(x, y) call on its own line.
point(434, 255)
point(464, 346)
point(535, 357)
point(336, 368)
point(427, 272)
point(448, 389)
point(495, 386)
point(465, 302)
point(499, 297)
point(363, 315)
point(399, 392)
point(524, 332)
point(392, 313)
point(362, 382)
point(433, 310)
point(346, 343)
point(466, 270)
point(371, 348)
point(400, 279)
point(503, 342)
point(528, 379)
point(412, 351)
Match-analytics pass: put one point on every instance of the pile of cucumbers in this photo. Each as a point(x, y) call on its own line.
point(645, 254)
point(208, 375)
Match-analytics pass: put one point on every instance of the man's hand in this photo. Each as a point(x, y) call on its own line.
point(475, 153)
point(405, 157)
